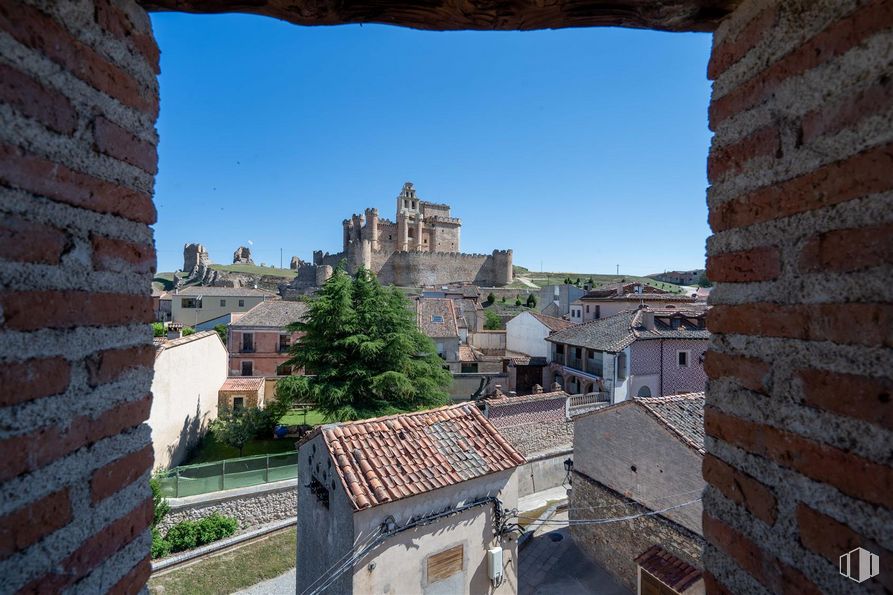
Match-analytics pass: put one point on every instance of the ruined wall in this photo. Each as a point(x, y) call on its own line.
point(78, 102)
point(799, 415)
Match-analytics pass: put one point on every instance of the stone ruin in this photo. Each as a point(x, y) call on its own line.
point(242, 255)
point(296, 263)
point(194, 256)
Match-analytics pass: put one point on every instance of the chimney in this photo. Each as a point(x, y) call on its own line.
point(174, 330)
point(648, 319)
point(537, 389)
point(556, 387)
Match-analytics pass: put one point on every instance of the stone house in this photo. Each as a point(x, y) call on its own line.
point(188, 372)
point(240, 391)
point(410, 503)
point(640, 352)
point(199, 304)
point(437, 319)
point(613, 299)
point(642, 457)
point(556, 300)
point(258, 340)
point(526, 333)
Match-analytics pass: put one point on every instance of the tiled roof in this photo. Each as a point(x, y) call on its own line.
point(207, 290)
point(466, 353)
point(429, 308)
point(615, 333)
point(506, 401)
point(527, 360)
point(162, 344)
point(246, 383)
point(682, 414)
point(634, 297)
point(388, 458)
point(273, 313)
point(668, 569)
point(552, 323)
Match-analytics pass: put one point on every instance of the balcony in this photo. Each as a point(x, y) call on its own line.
point(577, 404)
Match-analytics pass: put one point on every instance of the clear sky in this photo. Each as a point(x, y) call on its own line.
point(579, 149)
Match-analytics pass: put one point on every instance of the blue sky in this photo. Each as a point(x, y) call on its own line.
point(579, 149)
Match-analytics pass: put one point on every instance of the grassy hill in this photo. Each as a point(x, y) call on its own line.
point(253, 269)
point(557, 278)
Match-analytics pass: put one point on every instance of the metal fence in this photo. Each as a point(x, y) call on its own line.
point(191, 480)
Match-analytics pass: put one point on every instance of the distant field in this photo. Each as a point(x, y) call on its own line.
point(253, 269)
point(550, 278)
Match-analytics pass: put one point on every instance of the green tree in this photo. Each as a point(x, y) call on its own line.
point(158, 329)
point(591, 282)
point(237, 427)
point(491, 298)
point(531, 301)
point(703, 281)
point(188, 330)
point(492, 321)
point(517, 300)
point(222, 330)
point(363, 352)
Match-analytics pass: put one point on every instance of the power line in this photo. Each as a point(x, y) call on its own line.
point(606, 521)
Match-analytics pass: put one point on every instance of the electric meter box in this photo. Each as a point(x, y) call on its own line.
point(494, 563)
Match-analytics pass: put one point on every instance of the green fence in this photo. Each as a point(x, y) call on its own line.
point(190, 480)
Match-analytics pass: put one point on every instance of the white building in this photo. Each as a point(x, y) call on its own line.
point(188, 373)
point(526, 333)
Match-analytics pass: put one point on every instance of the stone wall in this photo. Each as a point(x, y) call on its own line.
point(798, 405)
point(78, 102)
point(252, 507)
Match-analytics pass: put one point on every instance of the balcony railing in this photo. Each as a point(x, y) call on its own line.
point(577, 404)
point(247, 349)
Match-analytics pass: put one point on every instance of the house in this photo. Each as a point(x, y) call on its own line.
point(526, 333)
point(241, 391)
point(525, 373)
point(609, 300)
point(436, 318)
point(258, 341)
point(410, 503)
point(197, 305)
point(642, 457)
point(161, 305)
point(188, 372)
point(641, 352)
point(556, 300)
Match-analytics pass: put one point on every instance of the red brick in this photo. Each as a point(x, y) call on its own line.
point(27, 241)
point(859, 397)
point(114, 141)
point(835, 40)
point(50, 443)
point(713, 586)
point(29, 524)
point(116, 22)
point(95, 550)
point(37, 30)
point(749, 372)
point(732, 158)
point(846, 250)
point(849, 324)
point(33, 379)
point(119, 474)
point(851, 474)
point(105, 366)
point(848, 111)
point(866, 173)
point(121, 255)
point(134, 581)
point(731, 50)
point(774, 574)
point(29, 97)
point(741, 489)
point(758, 264)
point(53, 180)
point(830, 539)
point(33, 310)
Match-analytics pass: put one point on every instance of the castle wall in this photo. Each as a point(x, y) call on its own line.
point(433, 268)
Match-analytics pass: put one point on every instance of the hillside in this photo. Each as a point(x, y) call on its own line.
point(557, 278)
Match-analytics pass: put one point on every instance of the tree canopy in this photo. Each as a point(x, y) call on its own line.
point(363, 353)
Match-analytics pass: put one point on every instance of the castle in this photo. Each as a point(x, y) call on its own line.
point(420, 248)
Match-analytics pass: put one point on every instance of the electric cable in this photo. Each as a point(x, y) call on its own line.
point(605, 521)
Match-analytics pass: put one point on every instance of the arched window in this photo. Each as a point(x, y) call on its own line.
point(644, 392)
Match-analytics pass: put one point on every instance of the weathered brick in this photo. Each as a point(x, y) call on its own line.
point(115, 21)
point(134, 581)
point(105, 366)
point(830, 539)
point(733, 158)
point(29, 97)
point(835, 40)
point(731, 49)
point(757, 264)
point(853, 324)
point(845, 250)
point(114, 141)
point(713, 586)
point(34, 521)
point(749, 372)
point(866, 173)
point(69, 309)
point(859, 397)
point(27, 241)
point(53, 180)
point(741, 489)
point(120, 473)
point(50, 443)
point(33, 379)
point(121, 256)
point(37, 30)
point(774, 574)
point(850, 110)
point(851, 474)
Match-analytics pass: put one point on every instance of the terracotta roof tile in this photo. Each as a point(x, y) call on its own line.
point(668, 569)
point(249, 383)
point(552, 323)
point(427, 450)
point(437, 317)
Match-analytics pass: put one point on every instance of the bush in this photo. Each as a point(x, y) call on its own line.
point(158, 329)
point(517, 301)
point(493, 321)
point(159, 502)
point(161, 547)
point(182, 536)
point(216, 527)
point(188, 330)
point(531, 301)
point(491, 298)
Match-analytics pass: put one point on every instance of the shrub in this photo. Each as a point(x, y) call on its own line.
point(215, 527)
point(492, 322)
point(188, 330)
point(517, 301)
point(158, 329)
point(159, 502)
point(182, 536)
point(160, 547)
point(491, 298)
point(531, 301)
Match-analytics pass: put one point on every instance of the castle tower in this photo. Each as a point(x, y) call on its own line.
point(346, 226)
point(372, 228)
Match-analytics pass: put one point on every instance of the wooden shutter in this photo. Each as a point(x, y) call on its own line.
point(445, 563)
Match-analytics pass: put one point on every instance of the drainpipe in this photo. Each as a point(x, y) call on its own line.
point(661, 368)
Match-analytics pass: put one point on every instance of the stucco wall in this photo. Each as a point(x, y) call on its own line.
point(526, 334)
point(654, 362)
point(211, 307)
point(266, 356)
point(184, 389)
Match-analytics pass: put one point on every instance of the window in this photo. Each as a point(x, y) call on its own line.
point(559, 349)
point(578, 352)
point(587, 308)
point(471, 368)
point(621, 365)
point(283, 343)
point(644, 392)
point(437, 318)
point(223, 303)
point(247, 343)
point(445, 564)
point(283, 370)
point(247, 368)
point(188, 302)
point(682, 358)
point(238, 402)
point(241, 303)
point(598, 311)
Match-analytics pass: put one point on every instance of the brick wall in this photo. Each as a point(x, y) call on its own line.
point(799, 412)
point(78, 102)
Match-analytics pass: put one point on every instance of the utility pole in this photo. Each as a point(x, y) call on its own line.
point(618, 269)
point(280, 258)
